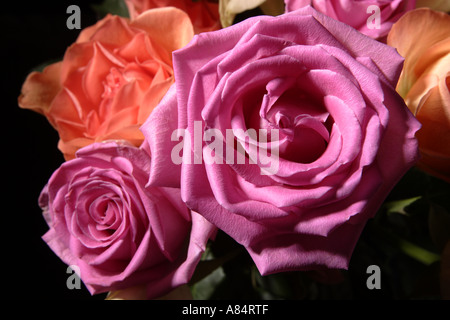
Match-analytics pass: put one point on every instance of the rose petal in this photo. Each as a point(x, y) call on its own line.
point(433, 26)
point(170, 27)
point(159, 130)
point(39, 89)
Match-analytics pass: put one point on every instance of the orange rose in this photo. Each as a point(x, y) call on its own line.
point(110, 79)
point(204, 14)
point(438, 5)
point(422, 37)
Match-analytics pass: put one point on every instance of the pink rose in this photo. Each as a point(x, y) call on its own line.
point(373, 18)
point(117, 231)
point(338, 135)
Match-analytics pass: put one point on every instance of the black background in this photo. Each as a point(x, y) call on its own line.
point(32, 33)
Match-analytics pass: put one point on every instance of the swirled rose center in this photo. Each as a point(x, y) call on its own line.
point(117, 78)
point(105, 212)
point(303, 123)
point(113, 82)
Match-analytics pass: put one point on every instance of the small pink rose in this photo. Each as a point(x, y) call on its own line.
point(117, 231)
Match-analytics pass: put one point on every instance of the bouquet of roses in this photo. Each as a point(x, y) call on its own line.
point(196, 131)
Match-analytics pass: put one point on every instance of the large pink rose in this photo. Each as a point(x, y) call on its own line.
point(345, 137)
point(374, 18)
point(118, 232)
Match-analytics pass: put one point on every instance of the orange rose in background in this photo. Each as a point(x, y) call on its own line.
point(438, 5)
point(422, 37)
point(204, 14)
point(110, 79)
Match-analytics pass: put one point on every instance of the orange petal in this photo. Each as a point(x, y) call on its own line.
point(140, 292)
point(438, 5)
point(96, 71)
point(131, 134)
point(133, 293)
point(69, 148)
point(40, 88)
point(435, 60)
point(65, 115)
point(136, 7)
point(168, 26)
point(138, 49)
point(437, 105)
point(76, 56)
point(434, 136)
point(433, 75)
point(434, 114)
point(429, 26)
point(111, 29)
point(153, 96)
point(204, 14)
point(86, 33)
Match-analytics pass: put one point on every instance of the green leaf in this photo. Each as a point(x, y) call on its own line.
point(399, 206)
point(115, 7)
point(408, 248)
point(207, 266)
point(205, 288)
point(275, 286)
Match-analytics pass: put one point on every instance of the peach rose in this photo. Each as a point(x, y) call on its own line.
point(422, 37)
point(438, 5)
point(204, 14)
point(110, 79)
